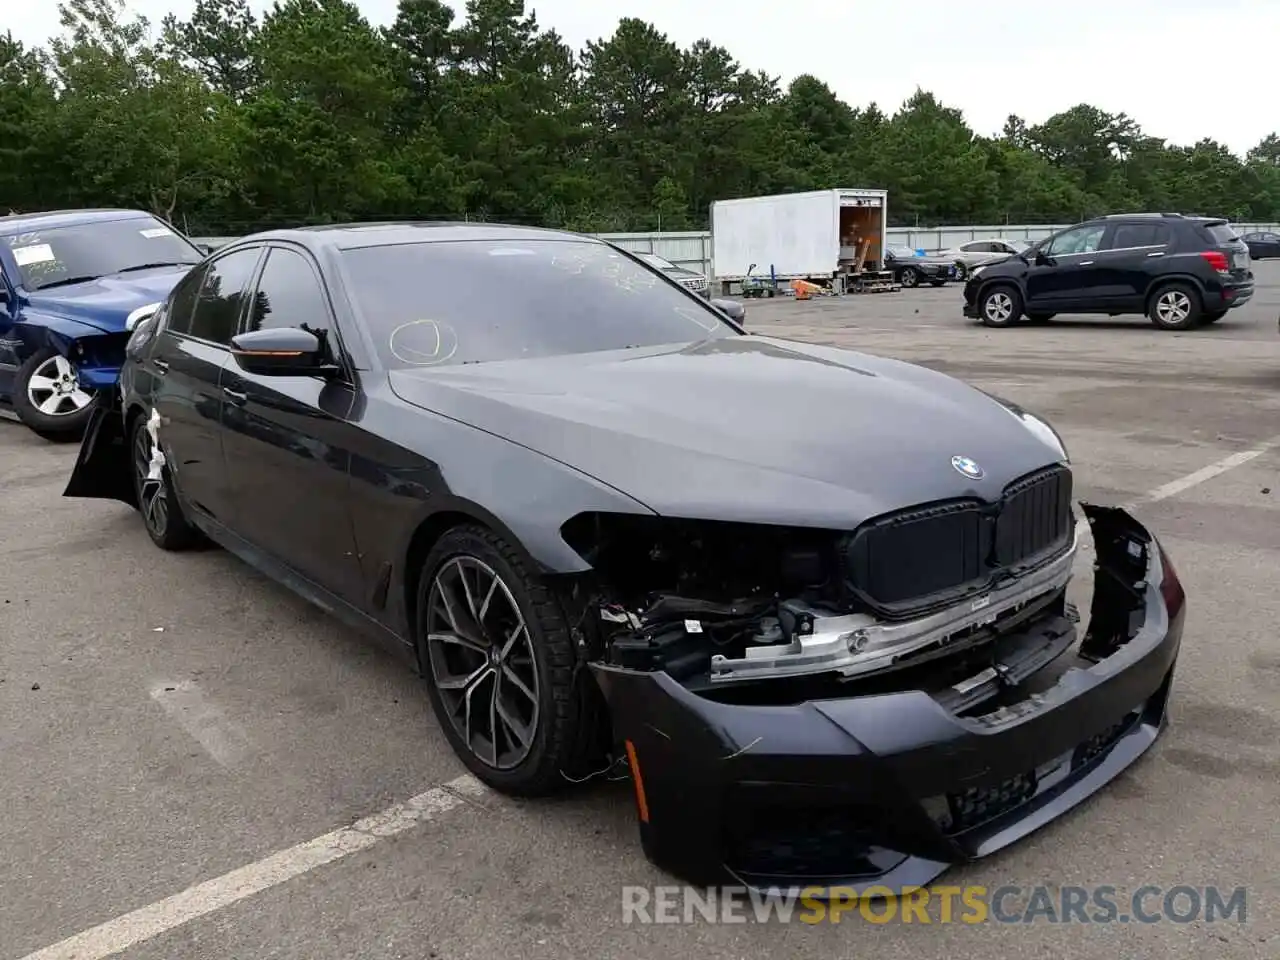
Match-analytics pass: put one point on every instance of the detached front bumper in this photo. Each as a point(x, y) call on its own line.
point(893, 789)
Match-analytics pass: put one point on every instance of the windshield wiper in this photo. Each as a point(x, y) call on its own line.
point(64, 281)
point(159, 263)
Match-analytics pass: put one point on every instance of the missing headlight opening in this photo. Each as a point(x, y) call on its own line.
point(763, 614)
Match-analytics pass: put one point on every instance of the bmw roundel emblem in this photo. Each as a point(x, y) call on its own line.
point(967, 467)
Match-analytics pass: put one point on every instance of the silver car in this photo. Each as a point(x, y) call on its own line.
point(692, 279)
point(975, 253)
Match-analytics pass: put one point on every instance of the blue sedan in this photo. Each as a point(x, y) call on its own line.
point(72, 285)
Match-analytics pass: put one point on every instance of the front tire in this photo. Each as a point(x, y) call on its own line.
point(1175, 307)
point(162, 515)
point(499, 660)
point(1000, 306)
point(47, 397)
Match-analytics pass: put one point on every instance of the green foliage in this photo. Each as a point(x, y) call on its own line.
point(227, 124)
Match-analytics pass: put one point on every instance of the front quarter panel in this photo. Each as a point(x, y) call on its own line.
point(411, 468)
point(33, 331)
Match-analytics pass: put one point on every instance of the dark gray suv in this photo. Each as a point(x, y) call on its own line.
point(1178, 271)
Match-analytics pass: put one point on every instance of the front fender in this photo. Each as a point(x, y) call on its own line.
point(58, 333)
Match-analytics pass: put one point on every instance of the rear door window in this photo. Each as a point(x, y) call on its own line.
point(1129, 235)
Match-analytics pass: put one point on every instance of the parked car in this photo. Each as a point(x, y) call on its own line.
point(695, 281)
point(1262, 245)
point(911, 268)
point(976, 253)
point(1176, 270)
point(72, 284)
point(776, 581)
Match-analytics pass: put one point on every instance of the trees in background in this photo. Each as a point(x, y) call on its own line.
point(228, 123)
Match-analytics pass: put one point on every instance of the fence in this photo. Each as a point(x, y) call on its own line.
point(692, 249)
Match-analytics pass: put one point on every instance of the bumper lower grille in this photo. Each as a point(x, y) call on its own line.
point(907, 562)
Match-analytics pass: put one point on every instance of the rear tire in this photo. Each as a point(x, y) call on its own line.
point(549, 716)
point(910, 277)
point(162, 515)
point(1000, 306)
point(1175, 306)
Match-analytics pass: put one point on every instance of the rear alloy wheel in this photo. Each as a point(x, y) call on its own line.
point(1000, 306)
point(910, 277)
point(161, 513)
point(48, 397)
point(498, 656)
point(1175, 307)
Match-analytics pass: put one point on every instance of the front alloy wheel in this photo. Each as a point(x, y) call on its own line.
point(482, 662)
point(54, 388)
point(1000, 307)
point(48, 398)
point(499, 657)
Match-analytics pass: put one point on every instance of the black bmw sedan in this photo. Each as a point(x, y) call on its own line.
point(813, 601)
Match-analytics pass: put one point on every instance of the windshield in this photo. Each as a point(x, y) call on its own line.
point(86, 251)
point(452, 302)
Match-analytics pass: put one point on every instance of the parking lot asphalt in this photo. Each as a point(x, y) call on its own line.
point(166, 720)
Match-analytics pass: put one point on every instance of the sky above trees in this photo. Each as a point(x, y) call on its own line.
point(1185, 70)
point(228, 122)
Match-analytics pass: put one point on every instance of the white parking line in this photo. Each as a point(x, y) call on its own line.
point(203, 719)
point(1182, 484)
point(1194, 479)
point(115, 936)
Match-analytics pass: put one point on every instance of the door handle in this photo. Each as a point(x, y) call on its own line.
point(1158, 253)
point(235, 396)
point(1085, 263)
point(161, 365)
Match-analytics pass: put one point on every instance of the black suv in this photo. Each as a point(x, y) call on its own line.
point(1179, 271)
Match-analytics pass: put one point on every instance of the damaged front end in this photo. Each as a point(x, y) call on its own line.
point(820, 724)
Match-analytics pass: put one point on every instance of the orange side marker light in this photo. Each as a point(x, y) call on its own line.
point(641, 803)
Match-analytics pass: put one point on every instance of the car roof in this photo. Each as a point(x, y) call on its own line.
point(48, 219)
point(350, 236)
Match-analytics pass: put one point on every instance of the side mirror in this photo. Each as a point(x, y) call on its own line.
point(736, 311)
point(282, 352)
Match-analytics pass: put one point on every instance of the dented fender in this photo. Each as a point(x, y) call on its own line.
point(880, 788)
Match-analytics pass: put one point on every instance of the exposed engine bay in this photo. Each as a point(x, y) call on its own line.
point(719, 606)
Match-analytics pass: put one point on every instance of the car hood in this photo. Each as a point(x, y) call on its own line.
point(106, 303)
point(744, 428)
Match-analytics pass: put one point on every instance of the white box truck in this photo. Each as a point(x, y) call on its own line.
point(834, 237)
